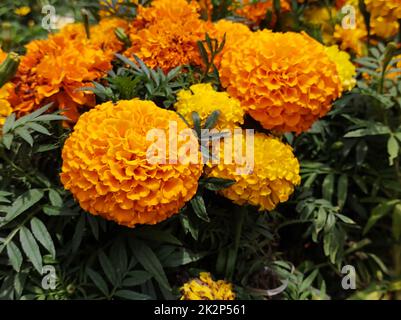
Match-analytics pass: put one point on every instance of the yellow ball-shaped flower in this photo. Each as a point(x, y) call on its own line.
point(5, 107)
point(384, 8)
point(203, 99)
point(345, 68)
point(106, 164)
point(268, 180)
point(286, 81)
point(205, 288)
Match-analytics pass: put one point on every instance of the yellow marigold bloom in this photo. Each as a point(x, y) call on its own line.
point(5, 107)
point(53, 70)
point(345, 68)
point(352, 39)
point(203, 99)
point(22, 11)
point(272, 180)
point(383, 27)
point(286, 81)
point(390, 9)
point(165, 34)
point(258, 11)
point(205, 288)
point(106, 165)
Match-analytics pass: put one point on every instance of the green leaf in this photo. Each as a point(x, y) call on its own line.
point(396, 227)
point(14, 254)
point(379, 212)
point(345, 219)
point(40, 232)
point(31, 248)
point(328, 187)
point(212, 119)
point(55, 198)
point(342, 190)
point(25, 135)
point(198, 204)
point(216, 184)
point(375, 129)
point(7, 140)
point(9, 124)
point(107, 267)
point(38, 128)
point(79, 231)
point(98, 281)
point(22, 204)
point(131, 295)
point(393, 148)
point(136, 278)
point(147, 258)
point(197, 123)
point(181, 257)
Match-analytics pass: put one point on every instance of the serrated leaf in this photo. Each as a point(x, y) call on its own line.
point(25, 135)
point(22, 204)
point(55, 198)
point(198, 204)
point(38, 128)
point(149, 261)
point(40, 232)
point(342, 190)
point(107, 267)
point(31, 248)
point(136, 278)
point(15, 256)
point(131, 295)
point(328, 187)
point(7, 140)
point(393, 148)
point(98, 281)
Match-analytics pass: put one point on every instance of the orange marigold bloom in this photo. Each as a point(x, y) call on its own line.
point(390, 9)
point(54, 70)
point(235, 33)
point(286, 81)
point(258, 11)
point(105, 164)
point(165, 34)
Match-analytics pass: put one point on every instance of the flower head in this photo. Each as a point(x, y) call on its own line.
point(22, 11)
point(203, 99)
point(5, 107)
point(54, 70)
point(258, 11)
point(205, 288)
point(272, 180)
point(345, 68)
point(390, 9)
point(286, 81)
point(107, 168)
point(165, 34)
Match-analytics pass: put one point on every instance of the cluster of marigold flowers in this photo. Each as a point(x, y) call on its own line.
point(285, 81)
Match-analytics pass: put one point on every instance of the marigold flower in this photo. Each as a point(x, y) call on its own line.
point(203, 99)
point(258, 11)
point(272, 180)
point(390, 9)
point(323, 17)
point(205, 288)
point(54, 70)
point(345, 68)
point(5, 107)
point(165, 34)
point(286, 81)
point(106, 165)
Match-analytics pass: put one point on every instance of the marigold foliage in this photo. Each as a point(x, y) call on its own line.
point(105, 164)
point(205, 288)
point(272, 180)
point(346, 70)
point(203, 99)
point(286, 81)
